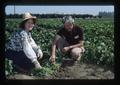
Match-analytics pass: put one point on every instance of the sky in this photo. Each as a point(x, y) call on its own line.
point(71, 9)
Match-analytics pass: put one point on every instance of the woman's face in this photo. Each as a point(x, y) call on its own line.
point(29, 24)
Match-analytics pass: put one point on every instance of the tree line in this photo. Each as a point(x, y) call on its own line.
point(100, 15)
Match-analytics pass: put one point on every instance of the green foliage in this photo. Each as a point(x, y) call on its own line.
point(99, 42)
point(8, 67)
point(46, 70)
point(98, 36)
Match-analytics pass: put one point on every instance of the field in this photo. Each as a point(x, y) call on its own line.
point(98, 37)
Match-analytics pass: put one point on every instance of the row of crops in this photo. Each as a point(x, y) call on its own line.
point(98, 37)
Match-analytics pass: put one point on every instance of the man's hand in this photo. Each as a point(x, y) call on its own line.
point(65, 49)
point(52, 59)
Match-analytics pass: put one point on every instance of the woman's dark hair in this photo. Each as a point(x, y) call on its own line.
point(22, 24)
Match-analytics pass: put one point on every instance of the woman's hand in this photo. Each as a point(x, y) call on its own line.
point(39, 54)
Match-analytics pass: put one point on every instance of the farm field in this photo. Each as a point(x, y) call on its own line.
point(99, 46)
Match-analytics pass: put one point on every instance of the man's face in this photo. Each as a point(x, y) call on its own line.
point(68, 26)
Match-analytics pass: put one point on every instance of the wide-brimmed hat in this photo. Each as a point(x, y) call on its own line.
point(27, 16)
point(68, 19)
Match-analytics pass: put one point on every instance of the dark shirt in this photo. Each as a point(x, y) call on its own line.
point(72, 37)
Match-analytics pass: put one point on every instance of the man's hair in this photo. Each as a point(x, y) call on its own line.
point(68, 19)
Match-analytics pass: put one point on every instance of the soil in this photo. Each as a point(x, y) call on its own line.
point(75, 70)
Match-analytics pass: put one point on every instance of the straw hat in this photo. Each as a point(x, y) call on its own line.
point(27, 16)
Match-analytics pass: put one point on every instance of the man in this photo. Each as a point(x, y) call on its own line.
point(69, 40)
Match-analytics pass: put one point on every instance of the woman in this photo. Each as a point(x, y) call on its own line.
point(22, 49)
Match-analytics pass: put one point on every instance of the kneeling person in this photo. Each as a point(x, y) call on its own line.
point(69, 39)
point(22, 49)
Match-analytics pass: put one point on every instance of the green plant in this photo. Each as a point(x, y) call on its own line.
point(98, 37)
point(8, 67)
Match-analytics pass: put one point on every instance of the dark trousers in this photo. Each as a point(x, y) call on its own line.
point(19, 59)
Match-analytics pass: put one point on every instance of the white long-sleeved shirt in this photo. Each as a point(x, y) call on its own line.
point(22, 41)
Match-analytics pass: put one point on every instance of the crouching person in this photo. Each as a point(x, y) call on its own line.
point(22, 49)
point(69, 39)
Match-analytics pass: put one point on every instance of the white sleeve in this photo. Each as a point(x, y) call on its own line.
point(27, 47)
point(34, 45)
point(36, 48)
